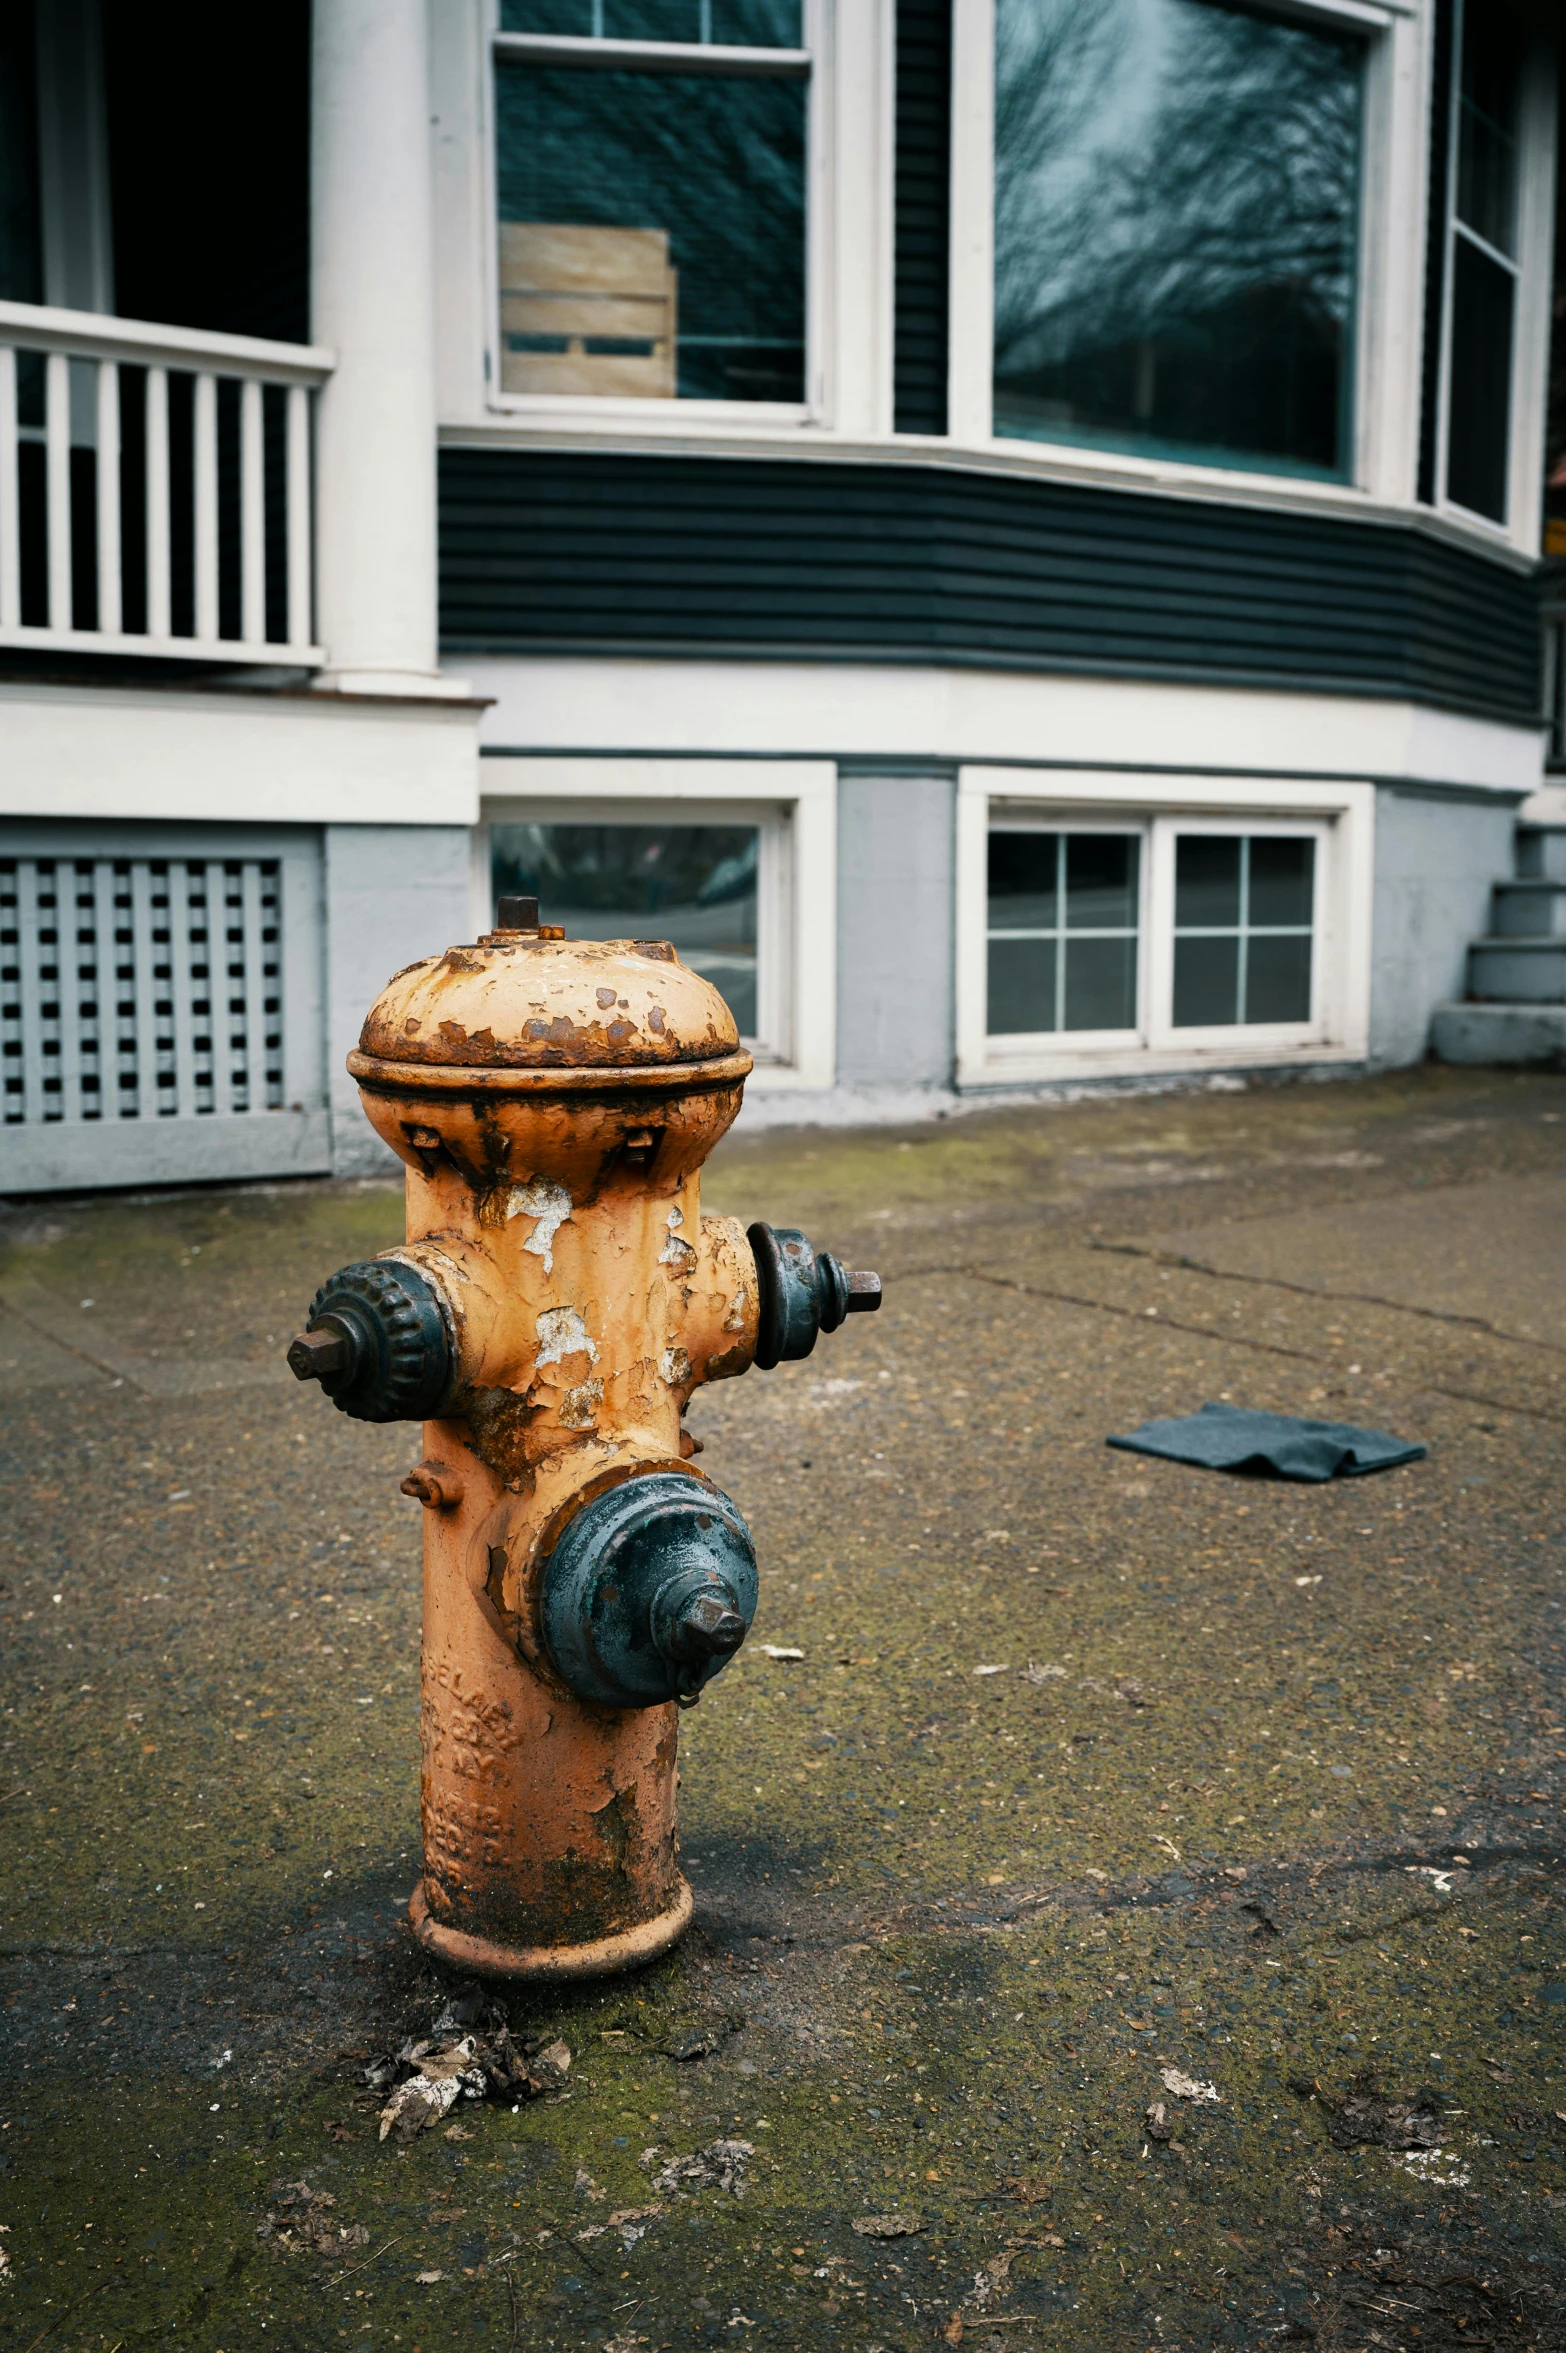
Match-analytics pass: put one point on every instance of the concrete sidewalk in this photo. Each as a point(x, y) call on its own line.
point(1095, 1770)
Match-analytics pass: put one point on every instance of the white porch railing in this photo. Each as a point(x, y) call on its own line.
point(155, 493)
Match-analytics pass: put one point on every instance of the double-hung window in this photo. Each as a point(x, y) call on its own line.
point(1176, 230)
point(651, 189)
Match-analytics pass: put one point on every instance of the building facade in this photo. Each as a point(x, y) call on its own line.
point(1010, 529)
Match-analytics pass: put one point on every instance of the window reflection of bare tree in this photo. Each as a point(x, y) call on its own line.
point(1175, 188)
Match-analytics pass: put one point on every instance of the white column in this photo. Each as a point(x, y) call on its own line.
point(373, 303)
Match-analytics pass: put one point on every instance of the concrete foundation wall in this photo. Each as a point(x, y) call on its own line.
point(896, 949)
point(1437, 856)
point(393, 893)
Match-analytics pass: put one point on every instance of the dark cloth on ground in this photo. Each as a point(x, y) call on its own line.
point(1232, 1438)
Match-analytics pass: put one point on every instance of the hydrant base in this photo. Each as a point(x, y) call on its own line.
point(605, 1956)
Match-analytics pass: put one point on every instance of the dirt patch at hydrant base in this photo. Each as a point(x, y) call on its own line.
point(1260, 1786)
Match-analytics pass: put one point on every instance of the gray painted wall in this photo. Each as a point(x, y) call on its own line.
point(895, 941)
point(393, 893)
point(1437, 855)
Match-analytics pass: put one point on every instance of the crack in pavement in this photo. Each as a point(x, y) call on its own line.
point(1436, 1315)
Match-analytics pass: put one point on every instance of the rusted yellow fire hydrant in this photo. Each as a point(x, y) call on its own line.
point(557, 1300)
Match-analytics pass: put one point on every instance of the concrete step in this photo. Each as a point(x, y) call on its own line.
point(1541, 853)
point(1529, 910)
point(1500, 1036)
point(1518, 971)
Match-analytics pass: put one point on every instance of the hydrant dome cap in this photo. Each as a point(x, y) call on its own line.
point(524, 1001)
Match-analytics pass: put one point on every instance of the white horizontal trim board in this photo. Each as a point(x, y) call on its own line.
point(279, 1143)
point(120, 752)
point(851, 710)
point(795, 801)
point(1339, 815)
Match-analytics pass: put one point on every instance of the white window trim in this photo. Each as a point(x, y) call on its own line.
point(1530, 267)
point(848, 298)
point(1387, 324)
point(797, 893)
point(1089, 800)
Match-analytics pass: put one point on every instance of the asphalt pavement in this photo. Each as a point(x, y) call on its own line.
point(1133, 1920)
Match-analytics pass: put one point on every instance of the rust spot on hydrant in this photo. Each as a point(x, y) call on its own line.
point(557, 1300)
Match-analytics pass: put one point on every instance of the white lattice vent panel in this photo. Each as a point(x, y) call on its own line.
point(139, 988)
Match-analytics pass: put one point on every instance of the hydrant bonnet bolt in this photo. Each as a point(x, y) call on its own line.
point(377, 1342)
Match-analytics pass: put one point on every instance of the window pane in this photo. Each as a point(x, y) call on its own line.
point(651, 20)
point(1480, 400)
point(758, 24)
point(547, 16)
point(1282, 882)
point(1487, 122)
point(1206, 982)
point(692, 884)
point(652, 233)
point(746, 24)
point(1021, 986)
point(1277, 978)
point(1176, 207)
point(1207, 879)
point(1100, 984)
point(1022, 881)
point(1101, 872)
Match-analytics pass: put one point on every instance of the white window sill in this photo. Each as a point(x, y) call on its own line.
point(1242, 1049)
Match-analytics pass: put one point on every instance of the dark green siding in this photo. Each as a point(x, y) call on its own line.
point(922, 208)
point(798, 559)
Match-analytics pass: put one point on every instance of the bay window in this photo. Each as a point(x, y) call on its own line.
point(1176, 231)
point(651, 161)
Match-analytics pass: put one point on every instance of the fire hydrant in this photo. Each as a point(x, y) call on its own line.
point(558, 1299)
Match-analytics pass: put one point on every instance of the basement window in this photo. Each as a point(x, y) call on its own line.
point(698, 886)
